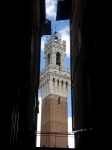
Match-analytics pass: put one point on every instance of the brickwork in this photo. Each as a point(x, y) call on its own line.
point(54, 119)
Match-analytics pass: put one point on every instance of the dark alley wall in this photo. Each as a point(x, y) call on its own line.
point(87, 52)
point(22, 24)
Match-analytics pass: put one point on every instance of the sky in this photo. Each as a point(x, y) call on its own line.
point(62, 27)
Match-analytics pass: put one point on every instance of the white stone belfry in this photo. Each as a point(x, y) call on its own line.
point(54, 79)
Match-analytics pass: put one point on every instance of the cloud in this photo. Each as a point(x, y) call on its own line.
point(51, 9)
point(43, 41)
point(42, 44)
point(39, 98)
point(71, 139)
point(38, 124)
point(69, 124)
point(65, 35)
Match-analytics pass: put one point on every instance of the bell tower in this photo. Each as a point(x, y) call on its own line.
point(54, 87)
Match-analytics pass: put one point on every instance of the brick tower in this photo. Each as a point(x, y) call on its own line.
point(54, 86)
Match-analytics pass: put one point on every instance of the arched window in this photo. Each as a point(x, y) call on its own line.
point(58, 100)
point(58, 82)
point(48, 59)
point(66, 84)
point(58, 60)
point(53, 81)
point(62, 83)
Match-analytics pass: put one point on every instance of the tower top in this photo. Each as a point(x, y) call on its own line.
point(56, 36)
point(54, 79)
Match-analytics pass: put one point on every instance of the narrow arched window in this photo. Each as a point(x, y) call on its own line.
point(58, 60)
point(53, 81)
point(66, 84)
point(58, 100)
point(62, 83)
point(48, 59)
point(58, 82)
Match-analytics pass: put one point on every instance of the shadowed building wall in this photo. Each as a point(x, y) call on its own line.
point(87, 41)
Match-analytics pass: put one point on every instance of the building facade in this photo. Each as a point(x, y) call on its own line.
point(54, 86)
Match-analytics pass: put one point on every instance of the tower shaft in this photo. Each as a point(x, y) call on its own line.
point(54, 86)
